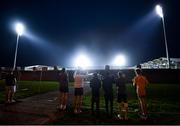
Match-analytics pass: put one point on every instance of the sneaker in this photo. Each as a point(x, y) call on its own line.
point(13, 101)
point(58, 107)
point(7, 102)
point(119, 116)
point(61, 106)
point(80, 111)
point(64, 107)
point(143, 117)
point(75, 111)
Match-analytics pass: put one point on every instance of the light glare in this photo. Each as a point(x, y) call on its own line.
point(120, 60)
point(19, 27)
point(159, 11)
point(82, 61)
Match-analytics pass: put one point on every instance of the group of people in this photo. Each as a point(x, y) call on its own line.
point(106, 81)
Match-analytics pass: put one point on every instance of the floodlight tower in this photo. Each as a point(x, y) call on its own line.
point(19, 28)
point(159, 12)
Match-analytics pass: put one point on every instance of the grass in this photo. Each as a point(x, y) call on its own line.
point(29, 88)
point(163, 102)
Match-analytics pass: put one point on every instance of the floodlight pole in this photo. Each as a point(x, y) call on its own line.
point(165, 40)
point(15, 56)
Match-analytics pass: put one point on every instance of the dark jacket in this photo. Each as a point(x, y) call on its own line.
point(63, 80)
point(121, 84)
point(95, 84)
point(10, 80)
point(107, 83)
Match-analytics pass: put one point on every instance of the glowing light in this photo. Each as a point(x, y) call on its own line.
point(19, 27)
point(119, 60)
point(82, 61)
point(159, 11)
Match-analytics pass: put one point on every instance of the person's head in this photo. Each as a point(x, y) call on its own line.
point(121, 74)
point(78, 72)
point(138, 72)
point(63, 70)
point(95, 75)
point(107, 67)
point(138, 66)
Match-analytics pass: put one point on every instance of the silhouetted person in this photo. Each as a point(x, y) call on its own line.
point(10, 81)
point(63, 88)
point(140, 83)
point(107, 84)
point(138, 66)
point(78, 91)
point(122, 96)
point(95, 85)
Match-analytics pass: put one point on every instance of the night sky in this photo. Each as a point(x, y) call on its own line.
point(56, 30)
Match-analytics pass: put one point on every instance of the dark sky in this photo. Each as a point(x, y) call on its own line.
point(58, 29)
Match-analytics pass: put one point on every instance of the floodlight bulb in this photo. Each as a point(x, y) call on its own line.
point(120, 60)
point(82, 61)
point(19, 27)
point(159, 11)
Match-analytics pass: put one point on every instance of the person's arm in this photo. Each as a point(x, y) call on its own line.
point(15, 80)
point(67, 76)
point(86, 75)
point(74, 74)
point(134, 81)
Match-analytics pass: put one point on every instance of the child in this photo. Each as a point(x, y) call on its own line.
point(140, 83)
point(122, 96)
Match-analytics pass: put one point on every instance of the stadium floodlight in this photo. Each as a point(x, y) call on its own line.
point(19, 27)
point(159, 11)
point(82, 61)
point(119, 60)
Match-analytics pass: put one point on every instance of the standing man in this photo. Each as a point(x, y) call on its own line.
point(95, 84)
point(107, 84)
point(78, 91)
point(64, 89)
point(140, 83)
point(10, 81)
point(122, 96)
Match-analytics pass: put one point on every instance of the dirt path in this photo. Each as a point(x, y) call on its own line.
point(39, 109)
